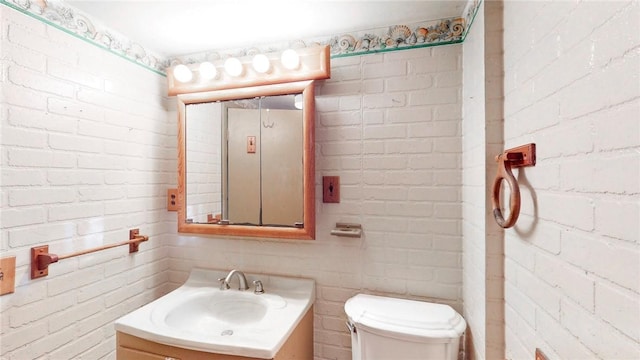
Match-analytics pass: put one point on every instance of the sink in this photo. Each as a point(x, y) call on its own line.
point(200, 316)
point(206, 310)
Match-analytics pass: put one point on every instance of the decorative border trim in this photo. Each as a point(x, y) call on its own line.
point(445, 31)
point(75, 23)
point(393, 38)
point(396, 37)
point(470, 13)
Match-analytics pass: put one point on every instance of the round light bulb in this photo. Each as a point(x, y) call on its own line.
point(208, 71)
point(290, 59)
point(233, 67)
point(182, 73)
point(261, 63)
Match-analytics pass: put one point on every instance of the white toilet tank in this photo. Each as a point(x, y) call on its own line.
point(384, 328)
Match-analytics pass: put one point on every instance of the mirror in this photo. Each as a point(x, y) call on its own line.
point(246, 161)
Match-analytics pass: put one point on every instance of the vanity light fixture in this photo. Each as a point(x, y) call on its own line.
point(301, 64)
point(182, 73)
point(290, 59)
point(261, 63)
point(208, 71)
point(233, 67)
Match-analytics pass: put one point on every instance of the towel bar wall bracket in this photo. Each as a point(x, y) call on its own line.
point(41, 258)
point(520, 156)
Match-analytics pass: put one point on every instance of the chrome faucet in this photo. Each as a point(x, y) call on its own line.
point(224, 283)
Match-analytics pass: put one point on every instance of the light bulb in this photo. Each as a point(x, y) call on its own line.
point(233, 67)
point(261, 63)
point(208, 71)
point(182, 73)
point(290, 59)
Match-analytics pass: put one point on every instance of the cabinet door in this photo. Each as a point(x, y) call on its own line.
point(283, 169)
point(243, 168)
point(133, 354)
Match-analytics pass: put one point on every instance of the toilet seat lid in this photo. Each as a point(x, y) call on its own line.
point(406, 317)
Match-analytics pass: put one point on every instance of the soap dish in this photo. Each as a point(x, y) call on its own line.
point(347, 230)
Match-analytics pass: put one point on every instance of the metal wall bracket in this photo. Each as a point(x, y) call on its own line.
point(39, 270)
point(134, 246)
point(347, 230)
point(41, 258)
point(520, 156)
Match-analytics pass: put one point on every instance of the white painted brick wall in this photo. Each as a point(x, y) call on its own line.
point(389, 126)
point(87, 154)
point(573, 262)
point(97, 154)
point(481, 139)
point(494, 142)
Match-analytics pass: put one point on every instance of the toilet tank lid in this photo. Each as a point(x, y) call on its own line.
point(402, 316)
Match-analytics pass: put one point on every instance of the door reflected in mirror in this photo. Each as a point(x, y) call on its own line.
point(245, 162)
point(204, 161)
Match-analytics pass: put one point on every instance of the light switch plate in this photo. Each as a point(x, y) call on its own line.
point(251, 144)
point(331, 189)
point(7, 275)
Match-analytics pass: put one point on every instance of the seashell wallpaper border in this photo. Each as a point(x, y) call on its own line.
point(393, 38)
point(73, 22)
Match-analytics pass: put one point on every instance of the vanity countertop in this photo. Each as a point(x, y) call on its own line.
point(199, 316)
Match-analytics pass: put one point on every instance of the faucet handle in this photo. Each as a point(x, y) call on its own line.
point(224, 285)
point(259, 289)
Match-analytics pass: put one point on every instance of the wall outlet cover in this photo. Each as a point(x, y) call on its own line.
point(7, 275)
point(172, 200)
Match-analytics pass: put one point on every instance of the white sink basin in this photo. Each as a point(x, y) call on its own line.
point(200, 316)
point(206, 310)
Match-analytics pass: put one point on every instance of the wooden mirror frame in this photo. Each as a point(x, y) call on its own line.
point(309, 230)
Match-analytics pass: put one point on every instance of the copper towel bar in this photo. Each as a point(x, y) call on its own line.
point(41, 258)
point(520, 156)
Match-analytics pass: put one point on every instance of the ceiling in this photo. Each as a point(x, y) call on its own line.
point(179, 27)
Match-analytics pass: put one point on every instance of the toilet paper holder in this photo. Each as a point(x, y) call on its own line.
point(520, 156)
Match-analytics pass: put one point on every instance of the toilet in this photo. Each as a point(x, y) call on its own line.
point(384, 328)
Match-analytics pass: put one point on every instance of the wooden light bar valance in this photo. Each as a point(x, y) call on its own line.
point(311, 63)
point(41, 258)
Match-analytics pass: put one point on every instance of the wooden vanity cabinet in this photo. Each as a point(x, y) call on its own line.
point(298, 346)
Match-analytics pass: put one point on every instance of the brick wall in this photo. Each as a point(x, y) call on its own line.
point(473, 188)
point(87, 154)
point(494, 143)
point(573, 261)
point(483, 240)
point(89, 151)
point(389, 126)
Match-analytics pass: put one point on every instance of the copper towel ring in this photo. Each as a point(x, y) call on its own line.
point(517, 157)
